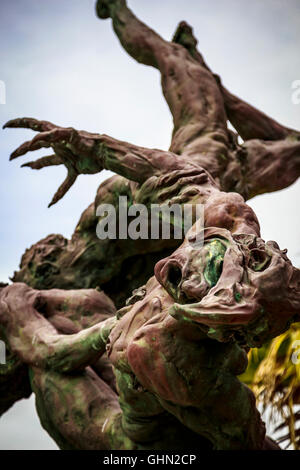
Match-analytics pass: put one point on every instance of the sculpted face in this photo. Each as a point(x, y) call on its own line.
point(234, 286)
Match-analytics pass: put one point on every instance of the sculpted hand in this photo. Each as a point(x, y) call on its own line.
point(72, 148)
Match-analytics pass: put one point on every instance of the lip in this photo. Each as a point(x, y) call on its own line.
point(235, 315)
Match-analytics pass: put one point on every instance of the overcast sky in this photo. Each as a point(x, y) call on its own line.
point(61, 63)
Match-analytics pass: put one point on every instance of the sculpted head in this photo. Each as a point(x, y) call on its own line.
point(232, 286)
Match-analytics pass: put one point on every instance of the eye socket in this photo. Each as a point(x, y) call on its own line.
point(174, 275)
point(259, 260)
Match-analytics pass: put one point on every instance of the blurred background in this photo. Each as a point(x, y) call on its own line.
point(61, 63)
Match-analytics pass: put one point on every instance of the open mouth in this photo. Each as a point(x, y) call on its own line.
point(247, 327)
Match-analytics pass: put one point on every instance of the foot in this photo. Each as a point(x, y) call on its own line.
point(103, 7)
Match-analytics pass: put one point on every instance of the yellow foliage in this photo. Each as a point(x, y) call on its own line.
point(273, 373)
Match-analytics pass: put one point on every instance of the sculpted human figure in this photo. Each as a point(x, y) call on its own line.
point(179, 344)
point(268, 160)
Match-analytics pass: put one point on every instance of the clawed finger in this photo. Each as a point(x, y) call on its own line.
point(50, 160)
point(30, 123)
point(48, 136)
point(64, 188)
point(43, 140)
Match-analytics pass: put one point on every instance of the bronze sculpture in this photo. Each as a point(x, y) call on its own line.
point(180, 342)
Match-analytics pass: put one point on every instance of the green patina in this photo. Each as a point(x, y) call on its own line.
point(65, 305)
point(214, 262)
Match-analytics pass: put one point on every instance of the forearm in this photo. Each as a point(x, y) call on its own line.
point(65, 353)
point(249, 122)
point(38, 347)
point(134, 162)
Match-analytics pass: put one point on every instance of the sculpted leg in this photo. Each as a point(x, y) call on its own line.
point(191, 91)
point(76, 407)
point(14, 382)
point(272, 150)
point(249, 122)
point(272, 165)
point(79, 411)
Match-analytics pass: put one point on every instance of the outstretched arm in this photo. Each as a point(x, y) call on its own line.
point(86, 153)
